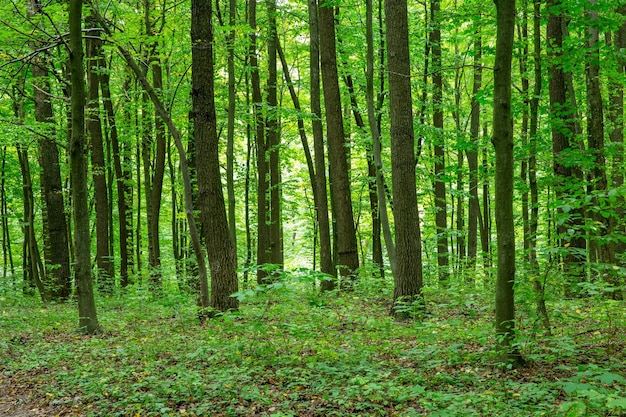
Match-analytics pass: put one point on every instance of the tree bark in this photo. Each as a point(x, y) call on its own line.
point(472, 156)
point(88, 319)
point(272, 139)
point(440, 166)
point(220, 248)
point(503, 144)
point(563, 128)
point(381, 197)
point(408, 274)
point(327, 265)
point(122, 181)
point(104, 261)
point(56, 251)
point(347, 250)
point(230, 141)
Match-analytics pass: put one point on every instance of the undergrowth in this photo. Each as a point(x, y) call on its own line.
point(293, 352)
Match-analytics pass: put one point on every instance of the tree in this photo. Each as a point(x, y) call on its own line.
point(563, 131)
point(87, 315)
point(321, 205)
point(503, 144)
point(408, 270)
point(104, 259)
point(348, 255)
point(220, 248)
point(56, 250)
point(440, 166)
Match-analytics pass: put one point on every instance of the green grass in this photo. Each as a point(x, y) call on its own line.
point(293, 352)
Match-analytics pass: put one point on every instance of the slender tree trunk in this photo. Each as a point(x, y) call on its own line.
point(376, 156)
point(327, 265)
point(503, 144)
point(616, 116)
point(377, 255)
point(7, 255)
point(472, 157)
point(347, 249)
point(263, 231)
point(88, 320)
point(104, 262)
point(538, 284)
point(34, 273)
point(439, 185)
point(272, 140)
point(122, 181)
point(230, 141)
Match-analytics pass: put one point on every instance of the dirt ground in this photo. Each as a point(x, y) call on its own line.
point(16, 400)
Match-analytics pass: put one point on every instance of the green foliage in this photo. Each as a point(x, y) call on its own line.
point(293, 351)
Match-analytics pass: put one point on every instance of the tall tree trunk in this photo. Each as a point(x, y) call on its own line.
point(472, 156)
point(327, 265)
point(533, 221)
point(263, 231)
point(377, 255)
point(154, 165)
point(563, 128)
point(122, 181)
point(347, 250)
point(376, 156)
point(220, 248)
point(272, 141)
point(616, 116)
point(88, 319)
point(439, 185)
point(408, 274)
point(56, 250)
point(595, 135)
point(503, 144)
point(104, 261)
point(230, 141)
point(34, 273)
point(7, 256)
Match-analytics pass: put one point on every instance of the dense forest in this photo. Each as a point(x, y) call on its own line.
point(372, 207)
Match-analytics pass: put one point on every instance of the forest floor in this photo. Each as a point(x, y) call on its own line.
point(293, 352)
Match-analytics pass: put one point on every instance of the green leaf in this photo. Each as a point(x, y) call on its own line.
point(616, 403)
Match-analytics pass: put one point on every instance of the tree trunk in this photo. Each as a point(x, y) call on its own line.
point(616, 112)
point(263, 231)
point(439, 185)
point(88, 320)
point(327, 265)
point(381, 198)
point(538, 285)
point(220, 248)
point(104, 261)
point(7, 256)
point(503, 144)
point(563, 128)
point(408, 274)
point(347, 250)
point(472, 157)
point(272, 141)
point(230, 141)
point(122, 181)
point(56, 251)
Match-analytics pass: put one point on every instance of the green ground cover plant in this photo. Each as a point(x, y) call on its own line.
point(294, 352)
